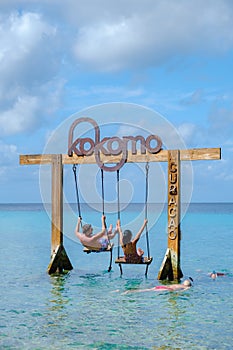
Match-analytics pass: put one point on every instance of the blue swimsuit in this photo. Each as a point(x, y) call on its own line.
point(104, 243)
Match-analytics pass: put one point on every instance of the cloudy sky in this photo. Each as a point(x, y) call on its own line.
point(60, 57)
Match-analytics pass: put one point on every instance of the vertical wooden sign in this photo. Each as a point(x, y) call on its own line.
point(170, 268)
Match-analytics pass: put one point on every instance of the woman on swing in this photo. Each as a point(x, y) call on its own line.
point(99, 241)
point(132, 253)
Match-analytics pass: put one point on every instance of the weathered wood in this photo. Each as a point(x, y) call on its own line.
point(57, 202)
point(59, 261)
point(32, 159)
point(162, 156)
point(173, 211)
point(89, 250)
point(165, 271)
point(145, 261)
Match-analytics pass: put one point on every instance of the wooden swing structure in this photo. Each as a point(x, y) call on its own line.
point(170, 268)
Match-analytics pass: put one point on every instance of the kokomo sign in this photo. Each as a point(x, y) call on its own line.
point(109, 146)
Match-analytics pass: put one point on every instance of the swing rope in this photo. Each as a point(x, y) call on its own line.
point(118, 207)
point(146, 208)
point(77, 193)
point(103, 211)
point(102, 186)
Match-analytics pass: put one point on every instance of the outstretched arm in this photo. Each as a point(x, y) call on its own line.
point(138, 235)
point(97, 236)
point(118, 226)
point(77, 228)
point(111, 234)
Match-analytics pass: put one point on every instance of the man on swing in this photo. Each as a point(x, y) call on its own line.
point(98, 241)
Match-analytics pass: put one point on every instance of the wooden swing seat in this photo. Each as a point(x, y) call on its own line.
point(109, 248)
point(144, 261)
point(89, 250)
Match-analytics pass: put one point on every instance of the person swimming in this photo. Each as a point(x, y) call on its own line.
point(215, 274)
point(171, 287)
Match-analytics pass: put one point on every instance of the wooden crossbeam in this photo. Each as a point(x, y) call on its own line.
point(162, 156)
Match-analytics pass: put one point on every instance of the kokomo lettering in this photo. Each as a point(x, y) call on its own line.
point(109, 145)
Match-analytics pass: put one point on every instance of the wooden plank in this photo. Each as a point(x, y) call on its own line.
point(98, 250)
point(35, 159)
point(200, 154)
point(146, 261)
point(162, 156)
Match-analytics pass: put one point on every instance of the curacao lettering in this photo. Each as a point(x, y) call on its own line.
point(110, 145)
point(172, 212)
point(173, 189)
point(173, 178)
point(172, 200)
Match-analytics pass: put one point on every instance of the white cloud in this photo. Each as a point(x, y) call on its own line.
point(8, 154)
point(193, 98)
point(22, 116)
point(147, 36)
point(187, 131)
point(26, 50)
point(28, 66)
point(221, 122)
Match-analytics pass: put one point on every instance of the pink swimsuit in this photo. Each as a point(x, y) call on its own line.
point(162, 288)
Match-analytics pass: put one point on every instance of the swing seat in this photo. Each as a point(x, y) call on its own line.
point(89, 250)
point(109, 248)
point(144, 261)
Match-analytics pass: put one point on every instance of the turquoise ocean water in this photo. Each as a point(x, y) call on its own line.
point(87, 308)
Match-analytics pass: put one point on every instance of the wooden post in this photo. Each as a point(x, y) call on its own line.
point(170, 268)
point(59, 259)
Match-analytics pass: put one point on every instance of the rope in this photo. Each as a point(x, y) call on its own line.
point(118, 195)
point(146, 209)
point(77, 194)
point(102, 186)
point(118, 206)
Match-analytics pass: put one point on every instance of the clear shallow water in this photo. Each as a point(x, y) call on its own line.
point(86, 308)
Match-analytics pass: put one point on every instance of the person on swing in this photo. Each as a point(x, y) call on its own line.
point(129, 245)
point(97, 241)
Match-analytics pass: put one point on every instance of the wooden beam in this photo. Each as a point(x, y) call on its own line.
point(162, 156)
point(59, 259)
point(57, 202)
point(32, 159)
point(173, 223)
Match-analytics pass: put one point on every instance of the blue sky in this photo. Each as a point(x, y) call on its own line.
point(61, 57)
